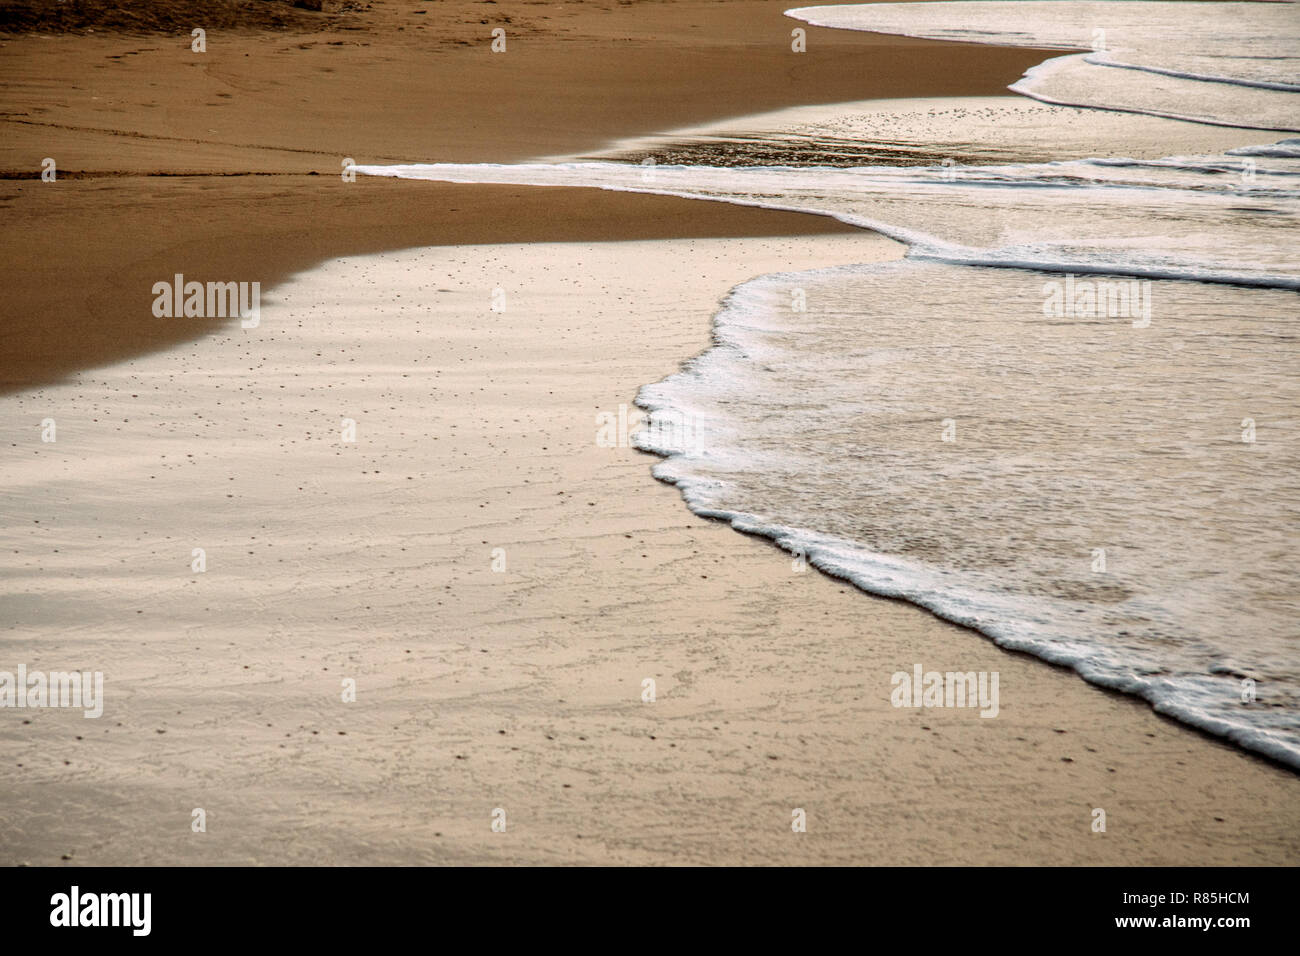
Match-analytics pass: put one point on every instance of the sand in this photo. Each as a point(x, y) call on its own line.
point(477, 690)
point(519, 689)
point(172, 160)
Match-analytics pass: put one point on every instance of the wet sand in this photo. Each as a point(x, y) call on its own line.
point(476, 690)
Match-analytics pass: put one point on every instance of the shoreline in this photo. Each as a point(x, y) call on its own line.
point(403, 100)
point(523, 689)
point(478, 690)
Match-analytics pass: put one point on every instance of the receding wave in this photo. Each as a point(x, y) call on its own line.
point(1068, 418)
point(1236, 63)
point(1072, 485)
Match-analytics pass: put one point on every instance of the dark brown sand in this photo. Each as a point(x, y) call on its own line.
point(224, 165)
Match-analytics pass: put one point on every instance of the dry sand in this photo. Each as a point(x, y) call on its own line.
point(477, 690)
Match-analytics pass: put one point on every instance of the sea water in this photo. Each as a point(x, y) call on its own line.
point(1068, 418)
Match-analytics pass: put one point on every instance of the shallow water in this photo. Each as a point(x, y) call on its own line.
point(1068, 419)
point(1234, 64)
point(1072, 486)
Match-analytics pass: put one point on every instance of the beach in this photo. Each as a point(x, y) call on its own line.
point(134, 114)
point(487, 561)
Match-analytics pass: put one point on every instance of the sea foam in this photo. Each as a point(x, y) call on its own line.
point(1108, 484)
